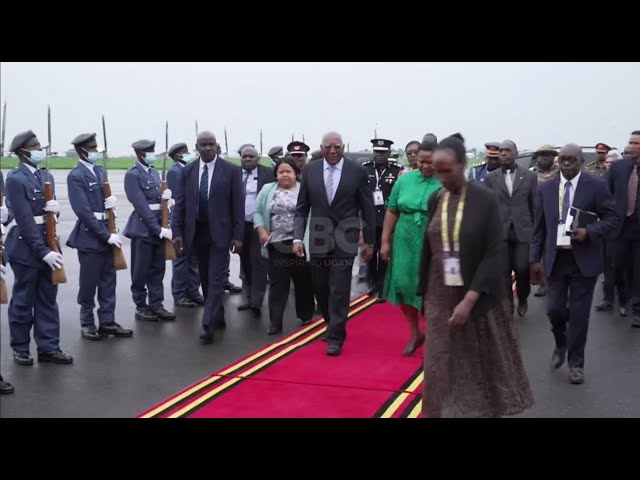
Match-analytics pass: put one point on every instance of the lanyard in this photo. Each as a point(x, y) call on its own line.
point(378, 177)
point(457, 222)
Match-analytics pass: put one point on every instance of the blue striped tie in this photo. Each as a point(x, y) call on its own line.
point(203, 197)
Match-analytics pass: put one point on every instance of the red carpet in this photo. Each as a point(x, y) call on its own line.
point(294, 377)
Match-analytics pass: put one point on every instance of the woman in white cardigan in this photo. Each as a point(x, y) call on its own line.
point(273, 219)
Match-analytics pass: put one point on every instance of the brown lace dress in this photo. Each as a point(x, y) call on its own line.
point(476, 370)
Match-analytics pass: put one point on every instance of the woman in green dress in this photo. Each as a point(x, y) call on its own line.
point(402, 237)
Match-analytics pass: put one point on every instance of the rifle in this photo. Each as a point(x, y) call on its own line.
point(58, 276)
point(118, 255)
point(169, 251)
point(226, 145)
point(4, 297)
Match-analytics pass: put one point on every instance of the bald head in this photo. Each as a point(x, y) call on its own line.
point(570, 160)
point(207, 146)
point(332, 147)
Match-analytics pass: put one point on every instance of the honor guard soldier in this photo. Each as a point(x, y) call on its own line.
point(492, 161)
point(299, 151)
point(144, 228)
point(185, 279)
point(598, 167)
point(382, 176)
point(275, 154)
point(34, 298)
point(93, 241)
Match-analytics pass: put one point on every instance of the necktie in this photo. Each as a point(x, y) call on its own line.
point(329, 185)
point(247, 174)
point(203, 197)
point(566, 200)
point(632, 198)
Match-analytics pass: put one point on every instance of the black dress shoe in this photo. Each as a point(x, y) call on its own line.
point(244, 306)
point(164, 314)
point(231, 288)
point(55, 357)
point(198, 300)
point(334, 350)
point(604, 307)
point(90, 332)
point(257, 311)
point(274, 330)
point(207, 337)
point(558, 358)
point(522, 307)
point(324, 337)
point(306, 322)
point(186, 303)
point(380, 299)
point(23, 358)
point(114, 330)
point(635, 323)
point(576, 376)
point(6, 388)
point(145, 313)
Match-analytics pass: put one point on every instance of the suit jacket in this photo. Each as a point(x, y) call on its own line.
point(482, 254)
point(618, 181)
point(226, 204)
point(143, 189)
point(519, 207)
point(85, 197)
point(592, 195)
point(335, 228)
point(26, 242)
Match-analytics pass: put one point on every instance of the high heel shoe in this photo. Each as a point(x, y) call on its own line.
point(412, 347)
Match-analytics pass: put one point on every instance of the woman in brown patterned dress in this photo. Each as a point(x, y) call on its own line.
point(472, 362)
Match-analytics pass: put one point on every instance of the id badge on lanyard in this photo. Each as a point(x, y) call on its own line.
point(563, 240)
point(451, 259)
point(378, 198)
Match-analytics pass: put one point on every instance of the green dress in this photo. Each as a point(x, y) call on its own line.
point(409, 197)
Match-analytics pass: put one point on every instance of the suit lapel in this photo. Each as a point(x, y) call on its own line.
point(341, 184)
point(30, 176)
point(579, 193)
point(555, 199)
point(215, 176)
point(502, 182)
point(519, 178)
point(323, 185)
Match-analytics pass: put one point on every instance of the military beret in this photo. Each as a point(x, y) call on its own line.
point(20, 140)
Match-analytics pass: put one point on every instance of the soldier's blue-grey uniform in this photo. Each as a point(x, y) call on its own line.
point(185, 281)
point(479, 172)
point(90, 238)
point(142, 187)
point(34, 296)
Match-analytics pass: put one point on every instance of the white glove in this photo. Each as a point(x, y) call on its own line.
point(171, 203)
point(166, 195)
point(115, 239)
point(52, 206)
point(3, 271)
point(166, 233)
point(110, 202)
point(4, 214)
point(54, 260)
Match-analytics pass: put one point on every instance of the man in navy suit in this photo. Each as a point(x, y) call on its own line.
point(34, 297)
point(185, 279)
point(254, 266)
point(335, 194)
point(94, 242)
point(572, 262)
point(144, 228)
point(624, 181)
point(208, 219)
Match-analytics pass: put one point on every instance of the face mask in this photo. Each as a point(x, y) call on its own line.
point(149, 158)
point(93, 157)
point(188, 157)
point(37, 156)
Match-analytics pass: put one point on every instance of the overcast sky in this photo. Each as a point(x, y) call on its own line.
point(531, 103)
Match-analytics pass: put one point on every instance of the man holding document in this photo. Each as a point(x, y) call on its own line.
point(574, 212)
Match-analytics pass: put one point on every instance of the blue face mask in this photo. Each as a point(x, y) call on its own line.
point(188, 157)
point(149, 158)
point(93, 157)
point(37, 156)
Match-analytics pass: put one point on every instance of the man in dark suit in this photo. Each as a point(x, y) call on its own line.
point(335, 193)
point(208, 219)
point(571, 256)
point(92, 239)
point(185, 279)
point(144, 228)
point(34, 297)
point(516, 189)
point(254, 266)
point(623, 180)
